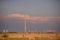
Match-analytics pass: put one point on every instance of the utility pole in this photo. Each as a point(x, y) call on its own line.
point(5, 29)
point(24, 26)
point(24, 23)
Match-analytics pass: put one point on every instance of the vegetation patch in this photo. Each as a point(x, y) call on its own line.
point(42, 38)
point(16, 39)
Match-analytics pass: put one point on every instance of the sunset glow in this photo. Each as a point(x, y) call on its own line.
point(31, 18)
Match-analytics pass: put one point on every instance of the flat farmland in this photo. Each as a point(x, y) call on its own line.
point(31, 36)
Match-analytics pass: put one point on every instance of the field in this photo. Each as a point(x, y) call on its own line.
point(30, 36)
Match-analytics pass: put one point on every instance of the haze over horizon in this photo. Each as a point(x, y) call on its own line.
point(41, 15)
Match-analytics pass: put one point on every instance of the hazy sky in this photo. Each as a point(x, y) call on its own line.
point(31, 7)
point(38, 8)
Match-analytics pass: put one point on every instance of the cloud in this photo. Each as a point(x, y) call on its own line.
point(31, 18)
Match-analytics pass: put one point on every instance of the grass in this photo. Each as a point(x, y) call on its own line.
point(46, 38)
point(16, 39)
point(6, 36)
point(36, 38)
point(41, 38)
point(58, 37)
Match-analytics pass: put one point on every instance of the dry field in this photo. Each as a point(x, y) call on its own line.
point(33, 36)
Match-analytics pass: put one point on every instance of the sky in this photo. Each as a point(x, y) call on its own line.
point(41, 15)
